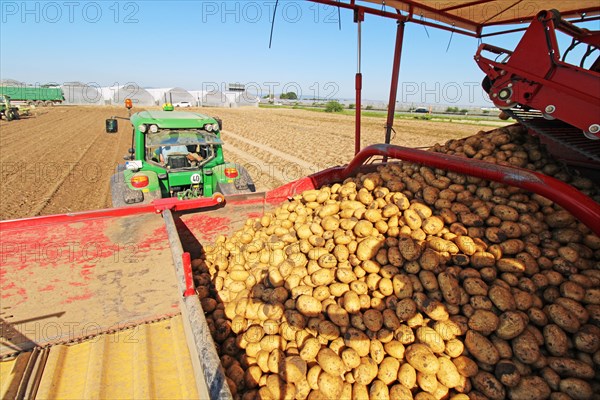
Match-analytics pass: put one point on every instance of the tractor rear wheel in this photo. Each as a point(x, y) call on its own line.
point(9, 115)
point(16, 114)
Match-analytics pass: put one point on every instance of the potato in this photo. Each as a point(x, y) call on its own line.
point(571, 368)
point(505, 213)
point(357, 340)
point(482, 259)
point(308, 306)
point(330, 385)
point(526, 348)
point(400, 392)
point(407, 376)
point(427, 382)
point(556, 340)
point(502, 298)
point(587, 339)
point(439, 244)
point(373, 320)
point(577, 389)
point(310, 349)
point(484, 322)
point(388, 370)
point(322, 277)
point(510, 325)
point(432, 225)
point(366, 372)
point(450, 287)
point(466, 245)
point(379, 390)
point(530, 388)
point(481, 348)
point(507, 373)
point(422, 359)
point(448, 374)
point(293, 370)
point(431, 338)
point(561, 317)
point(368, 247)
point(359, 391)
point(330, 362)
point(351, 302)
point(465, 366)
point(454, 347)
point(412, 219)
point(488, 385)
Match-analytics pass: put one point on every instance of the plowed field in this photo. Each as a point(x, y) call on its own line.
point(60, 159)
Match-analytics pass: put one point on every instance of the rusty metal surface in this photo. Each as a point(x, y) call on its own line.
point(62, 281)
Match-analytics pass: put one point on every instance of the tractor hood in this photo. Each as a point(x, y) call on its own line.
point(171, 119)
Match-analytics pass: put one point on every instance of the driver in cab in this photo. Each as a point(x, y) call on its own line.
point(165, 151)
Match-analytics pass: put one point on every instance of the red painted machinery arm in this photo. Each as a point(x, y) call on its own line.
point(571, 199)
point(534, 76)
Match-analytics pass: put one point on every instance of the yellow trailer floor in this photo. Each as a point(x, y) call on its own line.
point(147, 361)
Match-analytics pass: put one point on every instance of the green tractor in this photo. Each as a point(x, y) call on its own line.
point(175, 154)
point(7, 110)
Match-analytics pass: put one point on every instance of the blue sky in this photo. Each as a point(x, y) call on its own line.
point(199, 44)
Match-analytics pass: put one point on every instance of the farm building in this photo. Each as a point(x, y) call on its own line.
point(78, 93)
point(117, 95)
point(210, 98)
point(172, 95)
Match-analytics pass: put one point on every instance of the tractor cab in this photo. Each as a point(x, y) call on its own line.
point(175, 154)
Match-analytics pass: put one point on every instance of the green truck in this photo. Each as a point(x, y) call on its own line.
point(33, 95)
point(175, 154)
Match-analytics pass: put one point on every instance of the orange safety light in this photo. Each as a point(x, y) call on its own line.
point(128, 103)
point(231, 173)
point(139, 181)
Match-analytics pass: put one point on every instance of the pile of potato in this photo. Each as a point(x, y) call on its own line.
point(410, 282)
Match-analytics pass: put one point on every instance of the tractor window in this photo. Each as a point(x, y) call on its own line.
point(189, 137)
point(181, 150)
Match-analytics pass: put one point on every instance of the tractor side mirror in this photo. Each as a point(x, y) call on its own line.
point(112, 126)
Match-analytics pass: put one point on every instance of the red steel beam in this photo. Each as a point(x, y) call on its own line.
point(357, 115)
point(394, 86)
point(528, 20)
point(581, 206)
point(157, 206)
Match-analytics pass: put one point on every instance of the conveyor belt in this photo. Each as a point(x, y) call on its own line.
point(560, 133)
point(147, 361)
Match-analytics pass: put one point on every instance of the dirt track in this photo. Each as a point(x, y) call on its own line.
point(60, 160)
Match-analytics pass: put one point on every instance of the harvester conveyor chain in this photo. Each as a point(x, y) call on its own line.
point(560, 132)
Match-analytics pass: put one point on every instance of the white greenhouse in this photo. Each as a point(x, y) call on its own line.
point(210, 98)
point(171, 95)
point(78, 93)
point(116, 95)
point(242, 99)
